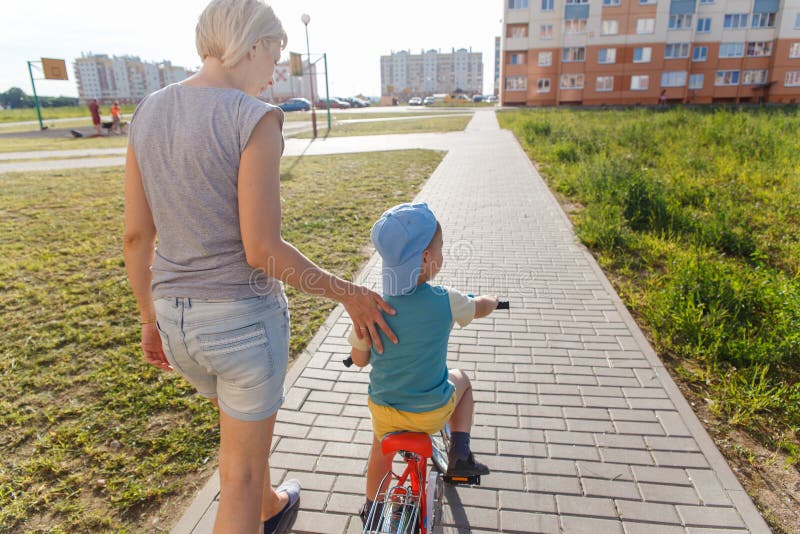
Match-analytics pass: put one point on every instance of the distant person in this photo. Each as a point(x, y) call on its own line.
point(662, 99)
point(211, 296)
point(94, 108)
point(116, 124)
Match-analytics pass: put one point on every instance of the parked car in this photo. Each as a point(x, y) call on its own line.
point(354, 102)
point(295, 104)
point(429, 100)
point(477, 98)
point(492, 99)
point(415, 101)
point(335, 104)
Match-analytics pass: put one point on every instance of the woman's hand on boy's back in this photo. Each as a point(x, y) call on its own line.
point(365, 308)
point(485, 304)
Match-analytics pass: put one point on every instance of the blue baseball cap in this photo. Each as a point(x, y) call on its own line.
point(400, 236)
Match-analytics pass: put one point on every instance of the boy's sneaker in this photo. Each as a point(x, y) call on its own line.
point(364, 515)
point(465, 468)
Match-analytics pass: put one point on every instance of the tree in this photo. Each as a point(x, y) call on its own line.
point(13, 98)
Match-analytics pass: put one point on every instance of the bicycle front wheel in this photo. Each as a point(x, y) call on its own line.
point(441, 444)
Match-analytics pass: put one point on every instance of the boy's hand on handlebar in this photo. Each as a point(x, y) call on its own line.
point(485, 304)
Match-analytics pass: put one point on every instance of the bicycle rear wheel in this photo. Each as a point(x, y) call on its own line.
point(434, 494)
point(441, 444)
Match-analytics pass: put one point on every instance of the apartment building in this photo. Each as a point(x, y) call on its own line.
point(126, 79)
point(498, 46)
point(597, 52)
point(430, 72)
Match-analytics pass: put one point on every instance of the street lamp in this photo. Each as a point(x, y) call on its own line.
point(306, 19)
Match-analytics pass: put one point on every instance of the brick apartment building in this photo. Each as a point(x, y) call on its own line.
point(628, 51)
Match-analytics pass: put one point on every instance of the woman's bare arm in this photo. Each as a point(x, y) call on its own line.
point(260, 222)
point(139, 242)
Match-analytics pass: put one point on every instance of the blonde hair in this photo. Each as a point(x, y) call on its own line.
point(227, 29)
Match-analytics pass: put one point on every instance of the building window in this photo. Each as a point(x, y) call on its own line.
point(731, 50)
point(607, 55)
point(763, 20)
point(680, 22)
point(515, 31)
point(792, 78)
point(546, 31)
point(642, 54)
point(676, 51)
point(517, 58)
point(696, 81)
point(703, 24)
point(517, 4)
point(726, 77)
point(604, 84)
point(754, 77)
point(734, 21)
point(645, 26)
point(647, 2)
point(610, 2)
point(575, 26)
point(516, 83)
point(609, 27)
point(706, 2)
point(577, 1)
point(759, 49)
point(547, 5)
point(573, 54)
point(700, 53)
point(794, 50)
point(640, 83)
point(543, 85)
point(797, 22)
point(545, 59)
point(572, 81)
point(673, 79)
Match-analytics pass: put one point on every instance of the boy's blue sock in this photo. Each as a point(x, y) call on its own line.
point(459, 445)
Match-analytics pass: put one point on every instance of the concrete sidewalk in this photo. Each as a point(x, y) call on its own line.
point(581, 424)
point(113, 157)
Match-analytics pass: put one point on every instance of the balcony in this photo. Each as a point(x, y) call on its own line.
point(515, 43)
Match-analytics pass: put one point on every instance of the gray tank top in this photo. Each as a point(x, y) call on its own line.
point(188, 141)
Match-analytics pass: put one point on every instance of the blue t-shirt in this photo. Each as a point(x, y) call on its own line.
point(412, 375)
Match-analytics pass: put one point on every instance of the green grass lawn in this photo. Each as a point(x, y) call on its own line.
point(66, 112)
point(421, 125)
point(695, 214)
point(31, 144)
point(91, 438)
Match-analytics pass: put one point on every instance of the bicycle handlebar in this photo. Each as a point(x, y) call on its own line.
point(501, 305)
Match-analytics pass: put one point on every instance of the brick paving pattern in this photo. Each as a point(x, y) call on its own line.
point(582, 426)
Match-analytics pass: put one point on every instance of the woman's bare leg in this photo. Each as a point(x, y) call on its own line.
point(246, 495)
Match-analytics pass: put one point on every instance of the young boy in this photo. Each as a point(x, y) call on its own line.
point(410, 386)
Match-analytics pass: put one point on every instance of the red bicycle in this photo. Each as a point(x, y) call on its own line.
point(411, 502)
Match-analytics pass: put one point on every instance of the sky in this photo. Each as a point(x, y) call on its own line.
point(353, 33)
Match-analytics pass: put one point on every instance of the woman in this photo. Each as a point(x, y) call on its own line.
point(202, 173)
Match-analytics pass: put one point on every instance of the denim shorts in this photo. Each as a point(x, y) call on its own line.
point(235, 351)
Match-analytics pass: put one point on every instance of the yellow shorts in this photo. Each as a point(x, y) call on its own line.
point(386, 419)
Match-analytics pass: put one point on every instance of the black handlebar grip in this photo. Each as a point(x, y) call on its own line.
point(503, 305)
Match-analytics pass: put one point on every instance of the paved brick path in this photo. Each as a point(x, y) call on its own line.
point(583, 428)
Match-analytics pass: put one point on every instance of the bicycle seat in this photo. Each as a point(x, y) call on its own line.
point(416, 442)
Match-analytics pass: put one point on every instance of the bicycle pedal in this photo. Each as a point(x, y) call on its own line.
point(474, 480)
